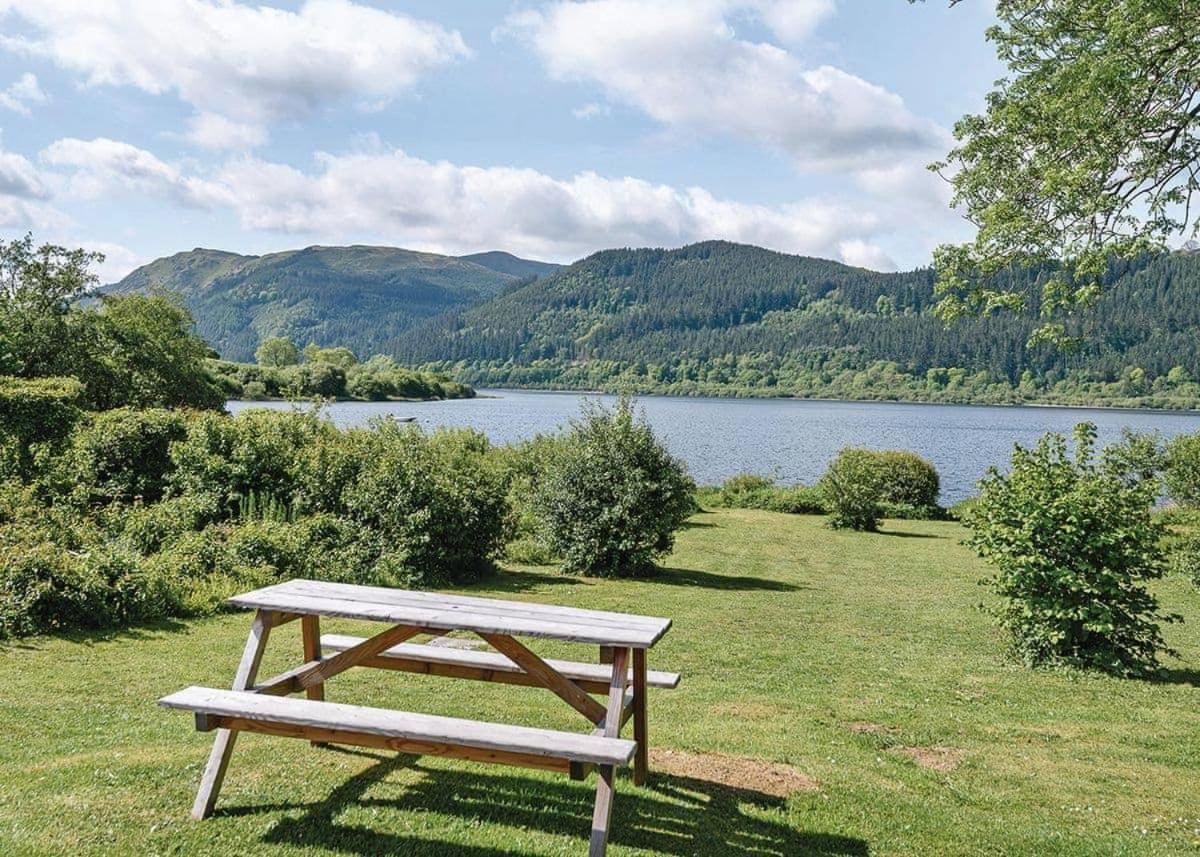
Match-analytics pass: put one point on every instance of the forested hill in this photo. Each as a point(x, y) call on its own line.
point(356, 296)
point(726, 318)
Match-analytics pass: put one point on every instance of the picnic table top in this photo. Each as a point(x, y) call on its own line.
point(443, 611)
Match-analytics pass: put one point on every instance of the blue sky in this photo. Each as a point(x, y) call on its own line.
point(550, 129)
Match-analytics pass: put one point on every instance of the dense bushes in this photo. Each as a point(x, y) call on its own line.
point(748, 491)
point(1072, 541)
point(152, 513)
point(333, 373)
point(36, 414)
point(853, 489)
point(611, 497)
point(120, 455)
point(906, 479)
point(1182, 473)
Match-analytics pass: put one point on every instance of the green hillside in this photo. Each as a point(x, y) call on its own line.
point(507, 263)
point(732, 319)
point(355, 296)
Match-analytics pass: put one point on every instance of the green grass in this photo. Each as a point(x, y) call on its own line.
point(786, 633)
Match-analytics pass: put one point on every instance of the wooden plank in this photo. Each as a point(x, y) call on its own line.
point(641, 760)
point(602, 813)
point(310, 628)
point(467, 603)
point(594, 678)
point(453, 618)
point(547, 676)
point(402, 725)
point(322, 736)
point(342, 661)
point(222, 749)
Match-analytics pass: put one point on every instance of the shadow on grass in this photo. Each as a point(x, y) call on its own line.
point(1177, 676)
point(512, 580)
point(675, 815)
point(901, 534)
point(89, 636)
point(708, 580)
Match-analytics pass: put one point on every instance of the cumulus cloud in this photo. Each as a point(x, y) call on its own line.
point(682, 63)
point(25, 195)
point(240, 66)
point(388, 195)
point(101, 166)
point(21, 93)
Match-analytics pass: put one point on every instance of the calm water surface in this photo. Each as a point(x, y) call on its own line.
point(791, 440)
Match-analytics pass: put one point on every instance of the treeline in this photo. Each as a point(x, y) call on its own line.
point(282, 371)
point(720, 318)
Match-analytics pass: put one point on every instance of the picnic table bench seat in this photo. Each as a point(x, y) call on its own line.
point(403, 731)
point(488, 666)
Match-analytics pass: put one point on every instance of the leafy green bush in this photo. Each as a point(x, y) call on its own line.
point(35, 413)
point(120, 455)
point(906, 479)
point(1072, 542)
point(1185, 557)
point(1182, 473)
point(853, 490)
point(438, 502)
point(259, 452)
point(748, 491)
point(611, 496)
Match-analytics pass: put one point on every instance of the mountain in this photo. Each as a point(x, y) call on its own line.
point(355, 296)
point(507, 263)
point(728, 318)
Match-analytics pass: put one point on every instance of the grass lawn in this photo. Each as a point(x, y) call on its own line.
point(843, 655)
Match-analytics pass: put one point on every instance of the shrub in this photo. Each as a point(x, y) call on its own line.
point(437, 502)
point(1185, 557)
point(611, 496)
point(259, 452)
point(1182, 473)
point(35, 412)
point(1072, 541)
point(120, 455)
point(747, 491)
point(852, 489)
point(906, 479)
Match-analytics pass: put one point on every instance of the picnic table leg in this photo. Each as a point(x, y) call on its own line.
point(641, 759)
point(218, 759)
point(310, 632)
point(602, 814)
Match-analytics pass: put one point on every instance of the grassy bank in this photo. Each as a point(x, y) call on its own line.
point(861, 661)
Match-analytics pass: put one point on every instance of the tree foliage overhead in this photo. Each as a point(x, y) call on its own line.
point(1089, 148)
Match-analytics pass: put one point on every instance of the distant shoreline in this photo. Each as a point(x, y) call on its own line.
point(1193, 411)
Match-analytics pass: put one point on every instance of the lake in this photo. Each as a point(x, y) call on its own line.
point(790, 439)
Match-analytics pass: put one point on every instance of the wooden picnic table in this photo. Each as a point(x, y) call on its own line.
point(620, 677)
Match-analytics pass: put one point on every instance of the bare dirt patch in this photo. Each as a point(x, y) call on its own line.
point(738, 772)
point(862, 727)
point(943, 760)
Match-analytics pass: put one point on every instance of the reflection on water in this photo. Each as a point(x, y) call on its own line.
point(790, 439)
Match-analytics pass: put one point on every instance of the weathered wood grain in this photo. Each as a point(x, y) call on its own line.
point(594, 678)
point(401, 725)
point(479, 615)
point(547, 676)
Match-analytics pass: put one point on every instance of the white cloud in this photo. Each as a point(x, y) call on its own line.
point(119, 260)
point(248, 65)
point(25, 196)
point(390, 196)
point(101, 166)
point(23, 92)
point(216, 132)
point(591, 111)
point(681, 62)
point(864, 255)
